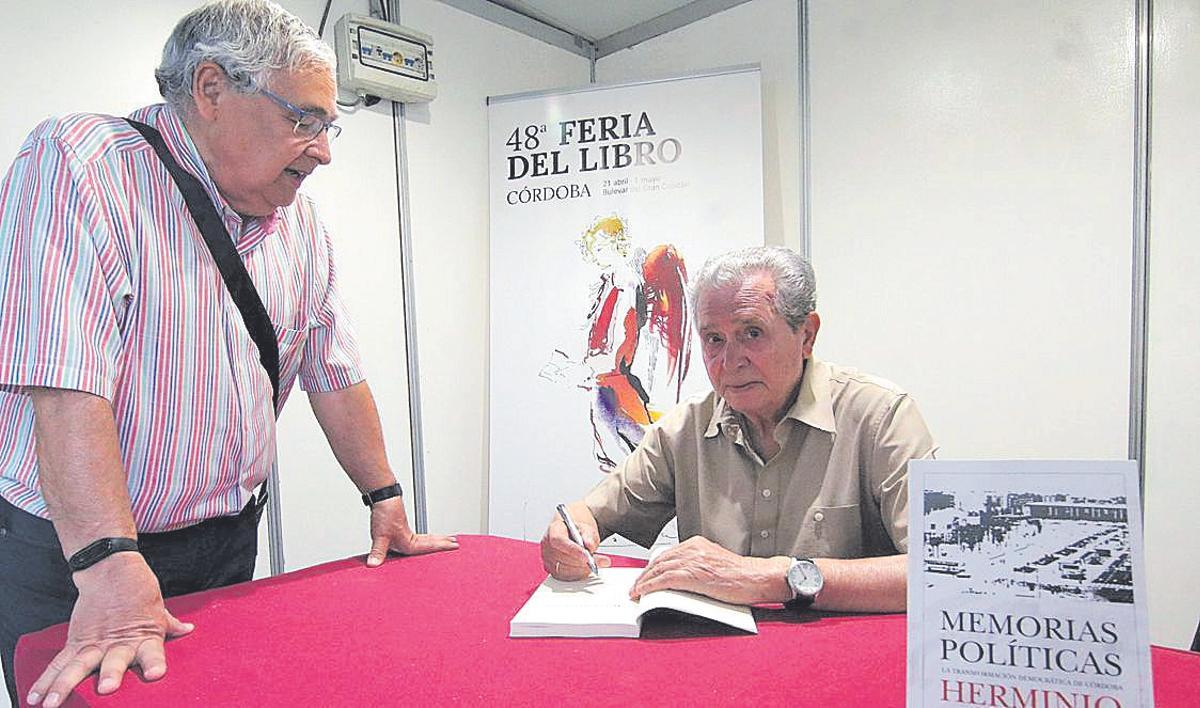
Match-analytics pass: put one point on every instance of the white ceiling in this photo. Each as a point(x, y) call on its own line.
point(593, 19)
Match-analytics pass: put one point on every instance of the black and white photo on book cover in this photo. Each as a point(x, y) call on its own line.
point(1026, 585)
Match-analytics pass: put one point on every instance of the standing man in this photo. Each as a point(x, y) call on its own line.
point(136, 419)
point(789, 479)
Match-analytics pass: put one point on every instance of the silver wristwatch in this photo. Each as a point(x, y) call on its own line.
point(806, 581)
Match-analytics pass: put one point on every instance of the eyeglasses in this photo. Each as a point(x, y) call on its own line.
point(308, 124)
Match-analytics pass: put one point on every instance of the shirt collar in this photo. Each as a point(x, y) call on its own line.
point(246, 232)
point(813, 406)
point(814, 403)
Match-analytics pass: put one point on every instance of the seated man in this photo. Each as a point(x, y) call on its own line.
point(789, 479)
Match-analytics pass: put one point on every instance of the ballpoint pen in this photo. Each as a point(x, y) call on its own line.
point(573, 532)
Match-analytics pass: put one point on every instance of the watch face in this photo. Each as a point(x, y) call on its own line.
point(805, 578)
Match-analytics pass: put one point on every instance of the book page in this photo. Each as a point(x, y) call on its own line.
point(738, 616)
point(594, 607)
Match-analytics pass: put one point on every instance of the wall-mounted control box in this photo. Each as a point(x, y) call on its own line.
point(384, 59)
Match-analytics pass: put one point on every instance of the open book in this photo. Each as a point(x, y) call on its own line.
point(600, 607)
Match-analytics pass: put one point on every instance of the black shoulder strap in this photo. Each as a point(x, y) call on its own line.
point(233, 271)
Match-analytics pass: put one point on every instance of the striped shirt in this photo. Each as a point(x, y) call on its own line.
point(106, 286)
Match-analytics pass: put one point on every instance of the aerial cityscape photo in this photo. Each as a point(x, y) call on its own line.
point(1031, 544)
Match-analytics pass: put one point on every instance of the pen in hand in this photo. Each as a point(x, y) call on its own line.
point(573, 532)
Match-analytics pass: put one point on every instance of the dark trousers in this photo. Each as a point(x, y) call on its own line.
point(36, 590)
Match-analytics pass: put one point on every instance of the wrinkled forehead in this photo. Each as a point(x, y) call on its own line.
point(751, 299)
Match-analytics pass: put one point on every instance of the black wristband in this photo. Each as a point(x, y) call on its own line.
point(799, 603)
point(373, 498)
point(97, 551)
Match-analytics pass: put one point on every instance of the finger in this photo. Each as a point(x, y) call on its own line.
point(152, 657)
point(176, 628)
point(579, 556)
point(77, 669)
point(668, 555)
point(570, 567)
point(591, 538)
point(379, 549)
point(643, 585)
point(602, 561)
point(56, 665)
point(429, 543)
point(112, 667)
point(651, 579)
point(571, 572)
point(563, 548)
point(557, 535)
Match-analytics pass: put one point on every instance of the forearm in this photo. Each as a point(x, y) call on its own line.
point(351, 424)
point(863, 584)
point(79, 467)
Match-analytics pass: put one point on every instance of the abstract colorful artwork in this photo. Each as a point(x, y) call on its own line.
point(638, 338)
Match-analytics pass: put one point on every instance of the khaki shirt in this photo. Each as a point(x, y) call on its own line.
point(836, 489)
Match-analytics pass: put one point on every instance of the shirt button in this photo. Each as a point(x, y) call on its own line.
point(764, 533)
point(819, 516)
point(766, 494)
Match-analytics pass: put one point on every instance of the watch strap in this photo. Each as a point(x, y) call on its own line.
point(800, 602)
point(374, 497)
point(98, 550)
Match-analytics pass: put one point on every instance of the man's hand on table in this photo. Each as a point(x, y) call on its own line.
point(119, 621)
point(390, 532)
point(698, 565)
point(562, 557)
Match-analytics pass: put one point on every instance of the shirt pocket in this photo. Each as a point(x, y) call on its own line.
point(836, 531)
point(291, 352)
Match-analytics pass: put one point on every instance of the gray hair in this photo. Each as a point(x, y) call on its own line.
point(795, 282)
point(248, 39)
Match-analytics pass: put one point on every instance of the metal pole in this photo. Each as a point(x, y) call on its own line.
point(274, 518)
point(805, 135)
point(420, 520)
point(1141, 237)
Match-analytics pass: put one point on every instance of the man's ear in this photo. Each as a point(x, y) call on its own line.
point(812, 324)
point(209, 86)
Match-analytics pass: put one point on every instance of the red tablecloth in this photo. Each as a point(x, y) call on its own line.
point(432, 630)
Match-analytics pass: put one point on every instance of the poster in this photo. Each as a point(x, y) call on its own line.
point(604, 200)
point(1026, 585)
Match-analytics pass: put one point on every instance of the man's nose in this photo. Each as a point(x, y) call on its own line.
point(734, 354)
point(319, 150)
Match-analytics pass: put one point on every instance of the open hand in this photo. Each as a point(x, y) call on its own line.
point(119, 621)
point(390, 532)
point(698, 565)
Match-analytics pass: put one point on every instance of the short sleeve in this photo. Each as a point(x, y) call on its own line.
point(331, 359)
point(638, 498)
point(59, 327)
point(900, 436)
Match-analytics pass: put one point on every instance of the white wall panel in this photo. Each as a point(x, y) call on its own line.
point(971, 212)
point(762, 32)
point(447, 143)
point(1173, 390)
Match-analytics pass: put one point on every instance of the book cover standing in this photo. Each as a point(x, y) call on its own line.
point(1026, 585)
